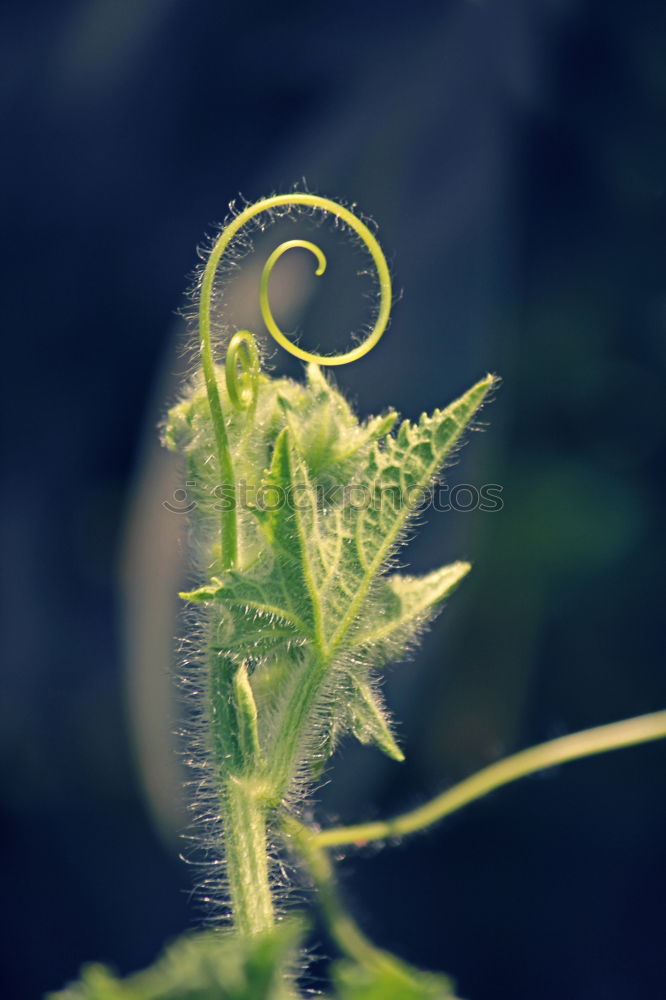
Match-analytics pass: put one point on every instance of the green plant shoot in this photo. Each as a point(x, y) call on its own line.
point(300, 509)
point(299, 609)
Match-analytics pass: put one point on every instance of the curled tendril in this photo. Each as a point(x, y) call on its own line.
point(264, 303)
point(229, 525)
point(242, 385)
point(309, 201)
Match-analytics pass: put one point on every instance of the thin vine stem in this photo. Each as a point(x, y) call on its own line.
point(615, 736)
point(342, 927)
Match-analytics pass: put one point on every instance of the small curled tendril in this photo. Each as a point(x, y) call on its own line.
point(242, 385)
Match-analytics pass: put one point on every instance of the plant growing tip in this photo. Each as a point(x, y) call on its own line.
point(301, 612)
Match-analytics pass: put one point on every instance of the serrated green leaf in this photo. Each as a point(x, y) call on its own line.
point(389, 979)
point(369, 722)
point(207, 966)
point(402, 604)
point(398, 474)
point(393, 482)
point(255, 614)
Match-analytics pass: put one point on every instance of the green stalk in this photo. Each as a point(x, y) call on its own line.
point(242, 793)
point(246, 849)
point(247, 796)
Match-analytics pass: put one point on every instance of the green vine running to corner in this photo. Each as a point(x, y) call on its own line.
point(575, 746)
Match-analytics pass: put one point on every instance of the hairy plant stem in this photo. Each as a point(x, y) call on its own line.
point(246, 800)
point(244, 815)
point(242, 792)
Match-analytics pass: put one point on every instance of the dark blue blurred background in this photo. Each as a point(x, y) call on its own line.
point(514, 157)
